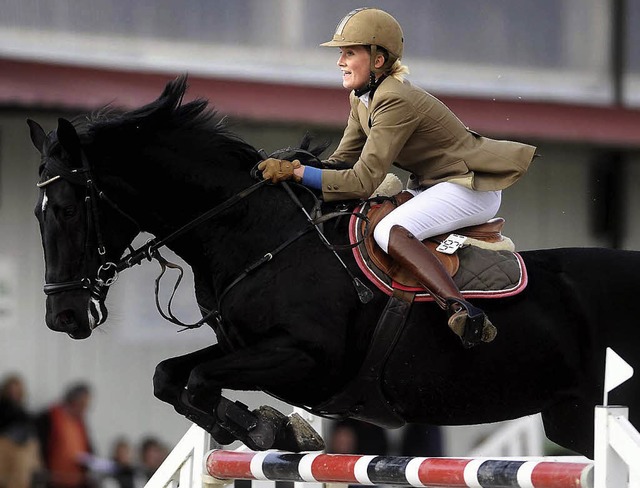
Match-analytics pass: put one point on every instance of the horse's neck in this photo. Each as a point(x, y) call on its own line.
point(166, 197)
point(169, 196)
point(222, 248)
point(162, 198)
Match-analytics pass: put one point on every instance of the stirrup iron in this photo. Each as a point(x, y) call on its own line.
point(469, 323)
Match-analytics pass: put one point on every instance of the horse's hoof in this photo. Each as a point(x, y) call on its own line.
point(300, 436)
point(263, 435)
point(293, 433)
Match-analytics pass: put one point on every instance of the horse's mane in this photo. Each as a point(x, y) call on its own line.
point(168, 122)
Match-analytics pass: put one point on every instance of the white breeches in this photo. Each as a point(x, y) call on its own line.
point(439, 209)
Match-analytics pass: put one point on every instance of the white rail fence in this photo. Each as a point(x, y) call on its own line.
point(184, 464)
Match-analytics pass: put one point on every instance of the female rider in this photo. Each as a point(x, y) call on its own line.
point(456, 175)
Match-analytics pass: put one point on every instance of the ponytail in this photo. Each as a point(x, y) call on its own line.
point(398, 70)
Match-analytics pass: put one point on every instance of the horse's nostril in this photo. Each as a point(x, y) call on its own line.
point(66, 317)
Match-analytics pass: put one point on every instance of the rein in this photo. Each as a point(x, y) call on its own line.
point(151, 247)
point(365, 295)
point(151, 251)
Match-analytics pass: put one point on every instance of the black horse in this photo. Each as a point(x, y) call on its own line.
point(286, 315)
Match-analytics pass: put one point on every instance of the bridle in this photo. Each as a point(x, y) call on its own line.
point(107, 273)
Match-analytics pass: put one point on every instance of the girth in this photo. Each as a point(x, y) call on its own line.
point(363, 398)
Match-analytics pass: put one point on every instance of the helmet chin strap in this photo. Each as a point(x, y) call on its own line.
point(373, 74)
point(370, 86)
point(374, 54)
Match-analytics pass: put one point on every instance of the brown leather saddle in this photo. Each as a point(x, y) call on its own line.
point(489, 233)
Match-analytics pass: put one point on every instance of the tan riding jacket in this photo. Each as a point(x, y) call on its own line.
point(409, 127)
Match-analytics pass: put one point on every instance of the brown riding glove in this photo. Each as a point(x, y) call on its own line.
point(278, 170)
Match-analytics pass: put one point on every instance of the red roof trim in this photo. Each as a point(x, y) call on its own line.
point(30, 84)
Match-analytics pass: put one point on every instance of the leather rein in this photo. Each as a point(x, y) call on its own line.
point(108, 271)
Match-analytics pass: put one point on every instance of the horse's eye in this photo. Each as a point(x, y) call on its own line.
point(69, 211)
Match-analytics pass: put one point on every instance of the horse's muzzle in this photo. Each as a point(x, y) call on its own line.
point(75, 319)
point(66, 321)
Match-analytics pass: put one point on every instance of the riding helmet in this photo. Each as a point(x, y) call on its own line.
point(370, 27)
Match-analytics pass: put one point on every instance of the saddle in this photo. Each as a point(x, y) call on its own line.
point(487, 235)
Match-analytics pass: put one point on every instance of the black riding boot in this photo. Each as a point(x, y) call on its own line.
point(466, 321)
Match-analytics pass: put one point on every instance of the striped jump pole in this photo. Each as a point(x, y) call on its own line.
point(388, 470)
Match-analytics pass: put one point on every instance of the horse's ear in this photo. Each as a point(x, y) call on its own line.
point(68, 138)
point(306, 140)
point(37, 133)
point(320, 148)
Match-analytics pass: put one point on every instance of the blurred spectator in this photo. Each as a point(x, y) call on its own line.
point(65, 440)
point(343, 440)
point(355, 437)
point(422, 440)
point(124, 470)
point(124, 473)
point(152, 454)
point(19, 449)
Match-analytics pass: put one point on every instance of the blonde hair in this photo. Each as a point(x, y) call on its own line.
point(398, 70)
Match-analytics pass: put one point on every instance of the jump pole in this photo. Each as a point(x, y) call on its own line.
point(402, 471)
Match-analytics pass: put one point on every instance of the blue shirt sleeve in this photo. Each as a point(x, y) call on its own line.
point(312, 177)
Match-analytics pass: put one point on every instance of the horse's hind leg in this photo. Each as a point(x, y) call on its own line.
point(570, 423)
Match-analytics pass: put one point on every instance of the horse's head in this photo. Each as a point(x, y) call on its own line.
point(82, 238)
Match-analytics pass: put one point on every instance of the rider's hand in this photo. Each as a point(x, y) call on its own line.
point(278, 170)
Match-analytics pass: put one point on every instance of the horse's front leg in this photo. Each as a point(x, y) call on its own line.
point(169, 385)
point(271, 364)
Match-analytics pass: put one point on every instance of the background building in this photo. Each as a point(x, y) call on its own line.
point(560, 74)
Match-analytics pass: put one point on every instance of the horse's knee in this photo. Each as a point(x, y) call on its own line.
point(163, 387)
point(202, 390)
